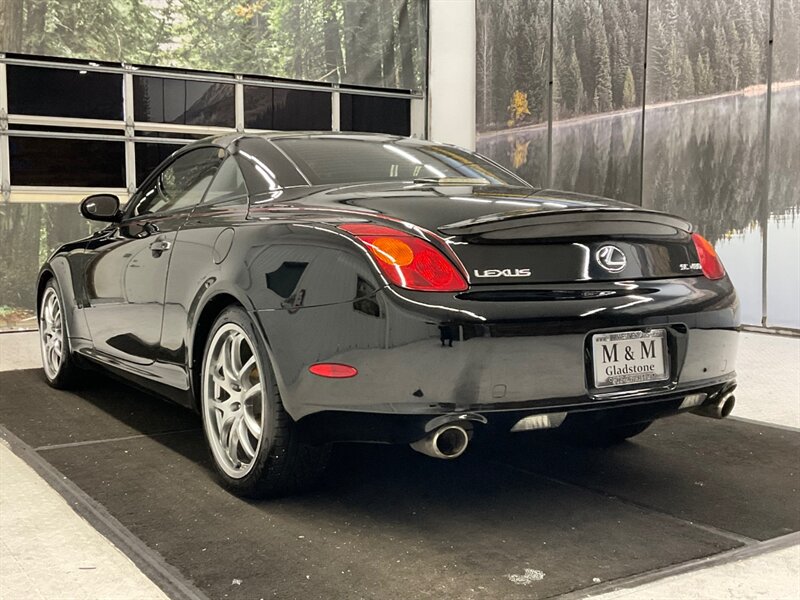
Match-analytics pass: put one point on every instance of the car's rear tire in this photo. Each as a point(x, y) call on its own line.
point(252, 439)
point(59, 366)
point(606, 436)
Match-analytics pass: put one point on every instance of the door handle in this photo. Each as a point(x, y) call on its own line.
point(160, 246)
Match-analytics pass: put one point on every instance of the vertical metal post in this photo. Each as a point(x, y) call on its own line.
point(418, 117)
point(644, 99)
point(5, 159)
point(548, 180)
point(427, 79)
point(336, 114)
point(128, 117)
point(764, 208)
point(238, 104)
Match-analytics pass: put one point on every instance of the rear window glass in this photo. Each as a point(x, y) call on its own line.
point(336, 160)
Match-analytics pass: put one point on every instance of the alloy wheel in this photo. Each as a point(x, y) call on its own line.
point(51, 333)
point(233, 400)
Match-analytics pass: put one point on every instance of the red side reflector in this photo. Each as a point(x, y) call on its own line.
point(709, 261)
point(333, 370)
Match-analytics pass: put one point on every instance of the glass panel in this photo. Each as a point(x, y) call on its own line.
point(64, 93)
point(29, 233)
point(258, 107)
point(783, 229)
point(512, 78)
point(77, 163)
point(375, 114)
point(162, 100)
point(598, 72)
point(337, 160)
point(296, 110)
point(149, 156)
point(181, 185)
point(286, 110)
point(228, 184)
point(704, 138)
point(265, 167)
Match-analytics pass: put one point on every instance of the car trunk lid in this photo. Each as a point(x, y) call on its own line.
point(513, 236)
point(560, 241)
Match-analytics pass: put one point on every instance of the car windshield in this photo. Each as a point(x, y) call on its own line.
point(337, 160)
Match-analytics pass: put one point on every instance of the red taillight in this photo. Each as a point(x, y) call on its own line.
point(709, 261)
point(408, 261)
point(333, 370)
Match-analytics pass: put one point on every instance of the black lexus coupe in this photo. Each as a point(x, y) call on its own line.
point(298, 289)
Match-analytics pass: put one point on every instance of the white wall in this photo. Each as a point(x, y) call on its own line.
point(451, 76)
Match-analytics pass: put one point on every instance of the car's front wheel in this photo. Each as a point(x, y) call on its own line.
point(59, 366)
point(253, 440)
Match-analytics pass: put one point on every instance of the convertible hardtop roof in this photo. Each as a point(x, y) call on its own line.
point(225, 140)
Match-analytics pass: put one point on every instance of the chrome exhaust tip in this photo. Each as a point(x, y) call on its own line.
point(719, 409)
point(449, 441)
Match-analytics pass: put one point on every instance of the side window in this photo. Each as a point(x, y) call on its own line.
point(228, 184)
point(182, 184)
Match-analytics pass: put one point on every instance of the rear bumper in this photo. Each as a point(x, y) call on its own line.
point(422, 356)
point(350, 426)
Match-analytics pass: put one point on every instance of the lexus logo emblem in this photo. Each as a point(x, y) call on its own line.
point(611, 258)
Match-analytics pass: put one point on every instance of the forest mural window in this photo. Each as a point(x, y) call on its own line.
point(286, 109)
point(375, 114)
point(66, 162)
point(378, 43)
point(64, 93)
point(184, 102)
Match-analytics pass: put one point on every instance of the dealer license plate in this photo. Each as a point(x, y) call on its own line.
point(630, 357)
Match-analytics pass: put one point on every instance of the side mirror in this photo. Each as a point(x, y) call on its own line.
point(101, 207)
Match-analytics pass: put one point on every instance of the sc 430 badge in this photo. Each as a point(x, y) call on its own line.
point(502, 273)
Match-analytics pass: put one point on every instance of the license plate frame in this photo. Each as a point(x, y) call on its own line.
point(641, 358)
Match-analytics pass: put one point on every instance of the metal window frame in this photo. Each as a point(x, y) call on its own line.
point(128, 130)
point(5, 153)
point(188, 75)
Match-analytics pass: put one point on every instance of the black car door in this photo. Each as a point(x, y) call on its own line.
point(128, 262)
point(199, 260)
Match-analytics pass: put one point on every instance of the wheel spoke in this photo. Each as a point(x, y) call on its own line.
point(233, 442)
point(253, 394)
point(244, 439)
point(227, 359)
point(53, 359)
point(244, 371)
point(220, 383)
point(252, 424)
point(225, 423)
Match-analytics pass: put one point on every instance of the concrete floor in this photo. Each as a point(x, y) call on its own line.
point(771, 576)
point(36, 524)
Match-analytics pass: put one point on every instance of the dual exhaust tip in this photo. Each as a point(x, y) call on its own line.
point(451, 441)
point(448, 441)
point(718, 409)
